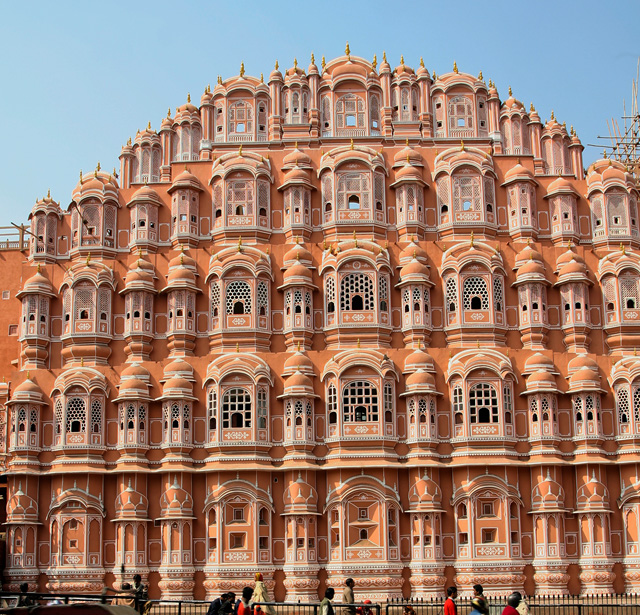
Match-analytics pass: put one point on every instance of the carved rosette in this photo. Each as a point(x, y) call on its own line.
point(176, 583)
point(597, 579)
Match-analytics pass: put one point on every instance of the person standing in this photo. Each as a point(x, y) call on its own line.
point(217, 605)
point(260, 594)
point(478, 596)
point(326, 608)
point(348, 597)
point(450, 604)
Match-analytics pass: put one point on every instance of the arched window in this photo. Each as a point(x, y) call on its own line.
point(356, 292)
point(483, 403)
point(236, 409)
point(460, 115)
point(238, 297)
point(76, 415)
point(475, 295)
point(467, 195)
point(360, 402)
point(354, 191)
point(452, 294)
point(374, 114)
point(240, 198)
point(330, 293)
point(241, 118)
point(332, 405)
point(350, 110)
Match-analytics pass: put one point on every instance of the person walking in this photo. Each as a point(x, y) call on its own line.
point(479, 602)
point(244, 604)
point(450, 607)
point(326, 608)
point(348, 597)
point(512, 604)
point(260, 594)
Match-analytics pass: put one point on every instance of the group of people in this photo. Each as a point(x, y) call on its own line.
point(479, 605)
point(250, 603)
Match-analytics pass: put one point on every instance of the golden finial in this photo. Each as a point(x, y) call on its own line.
point(408, 159)
point(88, 258)
point(49, 193)
point(477, 343)
point(239, 244)
point(622, 249)
point(455, 67)
point(471, 242)
point(182, 259)
point(480, 77)
point(98, 167)
point(461, 145)
point(434, 76)
point(188, 97)
point(569, 244)
point(297, 240)
point(384, 56)
point(507, 350)
point(402, 60)
point(81, 361)
point(242, 69)
point(149, 126)
point(295, 62)
point(237, 347)
point(38, 267)
point(573, 132)
point(347, 51)
point(421, 62)
point(261, 77)
point(81, 177)
point(323, 63)
point(277, 65)
point(358, 344)
point(129, 141)
point(604, 154)
point(95, 173)
point(240, 150)
point(553, 116)
point(220, 79)
point(313, 58)
point(267, 250)
point(351, 143)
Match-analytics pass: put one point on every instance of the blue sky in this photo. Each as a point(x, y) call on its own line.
point(79, 78)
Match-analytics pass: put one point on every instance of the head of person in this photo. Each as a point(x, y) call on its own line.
point(137, 579)
point(349, 582)
point(231, 596)
point(24, 587)
point(247, 592)
point(477, 589)
point(258, 576)
point(329, 593)
point(126, 586)
point(514, 599)
point(452, 591)
point(224, 598)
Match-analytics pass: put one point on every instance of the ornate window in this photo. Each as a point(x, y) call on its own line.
point(325, 116)
point(240, 121)
point(483, 404)
point(350, 115)
point(240, 198)
point(238, 297)
point(374, 114)
point(354, 192)
point(474, 294)
point(356, 292)
point(236, 409)
point(176, 423)
point(132, 423)
point(332, 409)
point(586, 415)
point(24, 428)
point(360, 402)
point(628, 407)
point(460, 113)
point(78, 419)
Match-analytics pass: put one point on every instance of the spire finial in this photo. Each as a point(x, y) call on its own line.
point(188, 97)
point(38, 267)
point(531, 108)
point(351, 143)
point(358, 343)
point(323, 63)
point(374, 62)
point(48, 193)
point(149, 125)
point(242, 69)
point(240, 150)
point(237, 346)
point(81, 171)
point(313, 58)
point(98, 166)
point(471, 241)
point(88, 258)
point(239, 244)
point(455, 67)
point(480, 77)
point(261, 77)
point(384, 56)
point(347, 51)
point(81, 361)
point(421, 62)
point(461, 145)
point(402, 60)
point(295, 62)
point(277, 65)
point(298, 345)
point(553, 115)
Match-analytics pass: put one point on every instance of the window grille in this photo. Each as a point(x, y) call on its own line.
point(636, 407)
point(405, 299)
point(326, 116)
point(212, 407)
point(263, 198)
point(498, 304)
point(482, 116)
point(241, 117)
point(263, 299)
point(467, 194)
point(483, 403)
point(474, 294)
point(622, 398)
point(350, 111)
point(489, 194)
point(596, 211)
point(238, 296)
point(96, 416)
point(630, 298)
point(217, 201)
point(533, 408)
point(460, 114)
point(356, 292)
point(388, 398)
point(57, 413)
point(457, 399)
point(452, 294)
point(332, 402)
point(417, 295)
point(360, 402)
point(352, 185)
point(76, 416)
point(33, 420)
point(236, 409)
point(383, 285)
point(507, 398)
point(327, 192)
point(330, 289)
point(378, 181)
point(262, 407)
point(84, 302)
point(240, 198)
point(297, 301)
point(374, 114)
point(215, 298)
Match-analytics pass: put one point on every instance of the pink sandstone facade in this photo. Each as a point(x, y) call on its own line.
point(350, 321)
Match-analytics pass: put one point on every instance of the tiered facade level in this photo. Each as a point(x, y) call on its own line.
point(353, 321)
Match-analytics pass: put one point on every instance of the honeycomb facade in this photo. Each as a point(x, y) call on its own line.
point(349, 321)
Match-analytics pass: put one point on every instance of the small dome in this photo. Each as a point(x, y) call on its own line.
point(301, 497)
point(413, 250)
point(131, 503)
point(178, 367)
point(298, 273)
point(420, 379)
point(560, 185)
point(135, 370)
point(186, 179)
point(177, 388)
point(408, 173)
point(298, 254)
point(584, 380)
point(518, 172)
point(176, 501)
point(425, 495)
point(528, 253)
point(541, 380)
point(567, 257)
point(37, 282)
point(97, 184)
point(296, 158)
point(418, 359)
point(512, 103)
point(133, 385)
point(182, 260)
point(615, 173)
point(298, 362)
point(181, 274)
point(531, 268)
point(27, 391)
point(298, 384)
point(548, 494)
point(145, 193)
point(21, 507)
point(538, 361)
point(593, 495)
point(414, 269)
point(297, 175)
point(582, 361)
point(407, 155)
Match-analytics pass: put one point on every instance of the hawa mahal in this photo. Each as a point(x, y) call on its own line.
point(348, 321)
